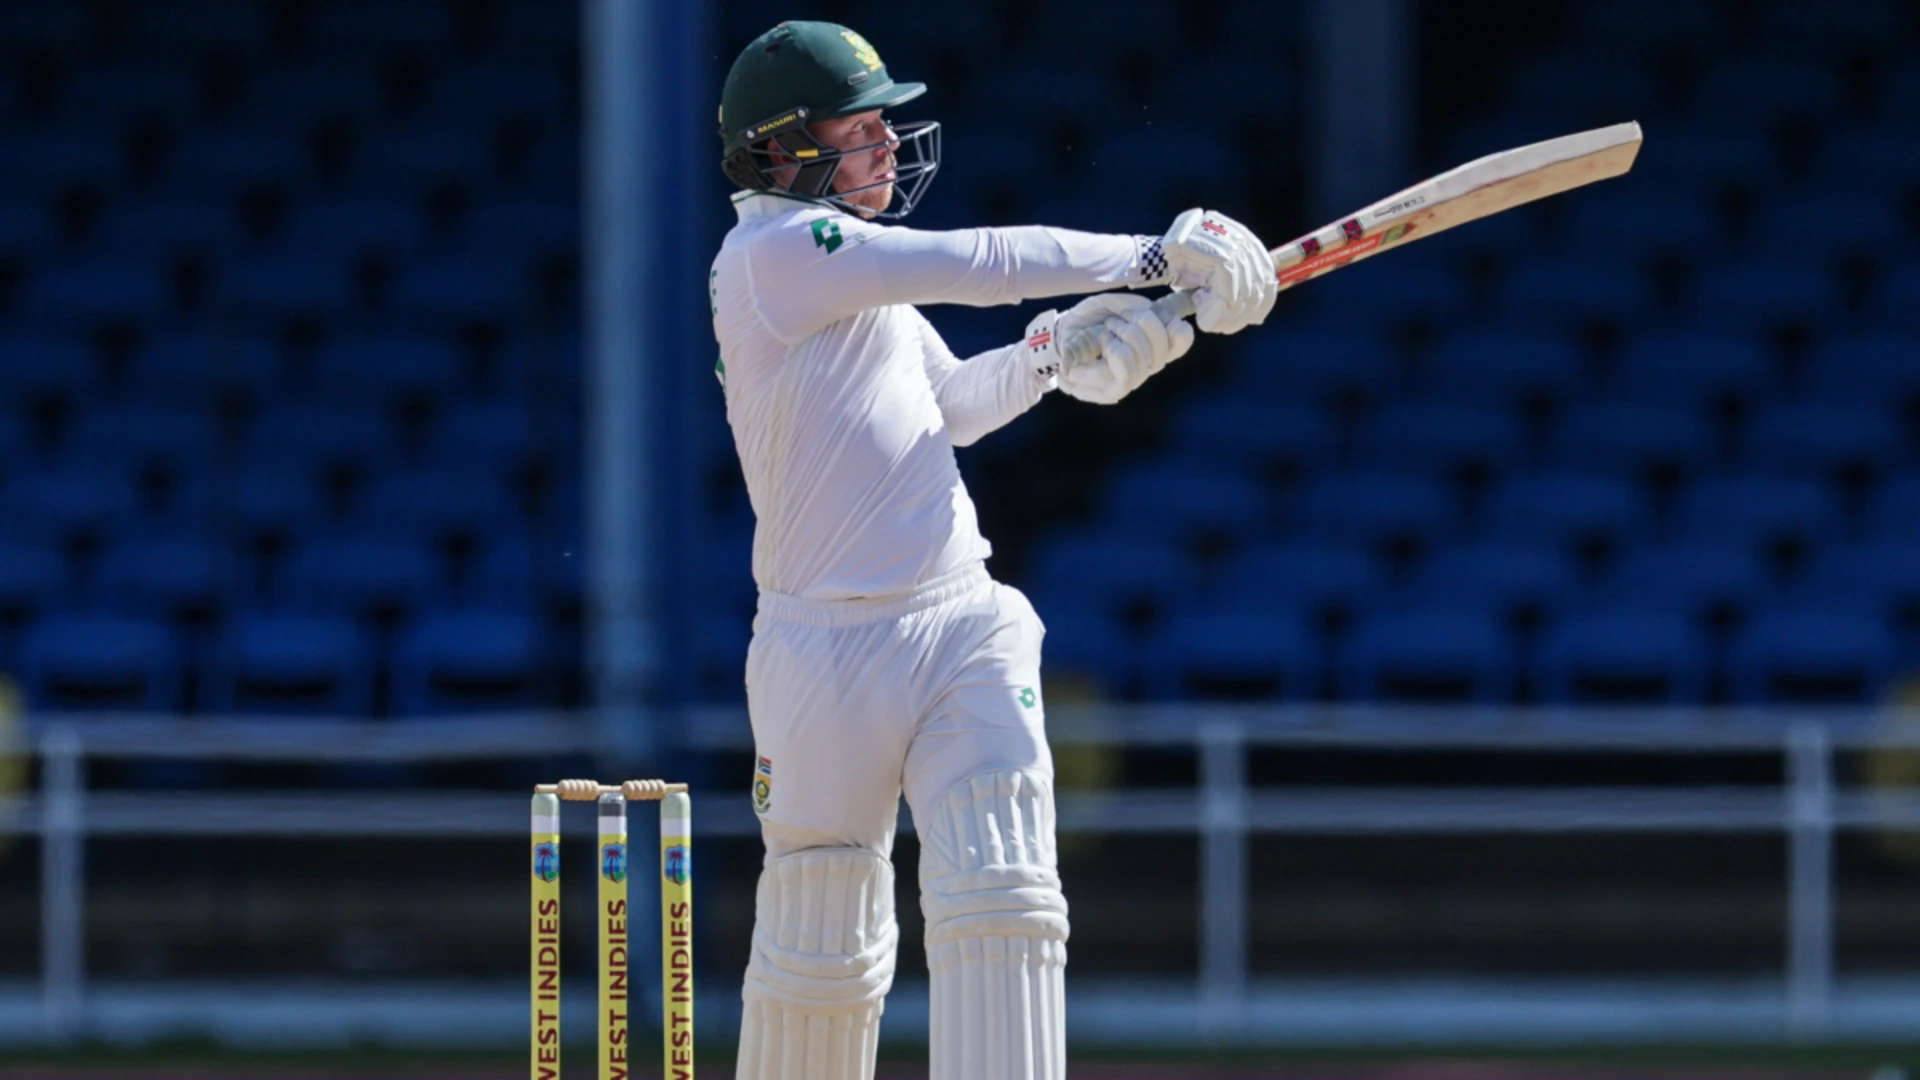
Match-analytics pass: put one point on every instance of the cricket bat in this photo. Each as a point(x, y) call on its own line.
point(1469, 192)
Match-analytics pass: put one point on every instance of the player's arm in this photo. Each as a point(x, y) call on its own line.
point(982, 394)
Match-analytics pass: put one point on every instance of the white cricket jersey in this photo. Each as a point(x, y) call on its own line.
point(846, 405)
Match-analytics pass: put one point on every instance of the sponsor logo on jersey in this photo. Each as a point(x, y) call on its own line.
point(826, 234)
point(1028, 698)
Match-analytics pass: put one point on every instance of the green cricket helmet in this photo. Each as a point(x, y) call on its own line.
point(802, 72)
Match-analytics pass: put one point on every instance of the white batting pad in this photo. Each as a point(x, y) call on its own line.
point(996, 930)
point(824, 940)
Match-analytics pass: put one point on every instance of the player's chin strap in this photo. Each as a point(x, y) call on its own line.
point(996, 930)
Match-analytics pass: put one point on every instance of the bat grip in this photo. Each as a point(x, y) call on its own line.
point(1086, 344)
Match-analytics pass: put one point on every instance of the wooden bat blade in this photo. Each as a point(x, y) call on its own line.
point(1472, 191)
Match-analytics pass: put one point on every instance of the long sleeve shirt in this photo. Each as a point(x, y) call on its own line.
point(844, 402)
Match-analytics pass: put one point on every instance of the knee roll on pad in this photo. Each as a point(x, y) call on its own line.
point(824, 942)
point(996, 931)
point(988, 862)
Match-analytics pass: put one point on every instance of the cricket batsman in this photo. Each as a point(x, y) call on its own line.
point(884, 659)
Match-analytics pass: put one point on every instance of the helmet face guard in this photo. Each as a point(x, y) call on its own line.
point(811, 166)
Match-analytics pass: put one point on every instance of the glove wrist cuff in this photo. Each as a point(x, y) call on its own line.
point(1042, 351)
point(1150, 268)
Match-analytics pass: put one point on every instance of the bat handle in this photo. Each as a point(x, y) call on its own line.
point(1085, 345)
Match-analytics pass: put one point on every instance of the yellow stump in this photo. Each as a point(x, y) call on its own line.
point(613, 937)
point(676, 935)
point(546, 938)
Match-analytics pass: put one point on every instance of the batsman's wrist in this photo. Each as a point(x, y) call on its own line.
point(1150, 268)
point(1041, 349)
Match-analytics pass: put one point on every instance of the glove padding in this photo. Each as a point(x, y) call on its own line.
point(1135, 343)
point(1230, 269)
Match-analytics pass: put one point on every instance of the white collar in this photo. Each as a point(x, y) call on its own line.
point(766, 204)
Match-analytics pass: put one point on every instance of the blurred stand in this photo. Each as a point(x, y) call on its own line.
point(449, 853)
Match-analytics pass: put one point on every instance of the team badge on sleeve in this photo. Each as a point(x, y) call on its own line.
point(762, 785)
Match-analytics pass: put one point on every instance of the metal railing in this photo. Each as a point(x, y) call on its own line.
point(1222, 809)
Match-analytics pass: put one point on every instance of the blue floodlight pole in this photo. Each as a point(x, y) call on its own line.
point(646, 89)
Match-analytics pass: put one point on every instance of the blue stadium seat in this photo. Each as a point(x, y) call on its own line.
point(340, 88)
point(45, 367)
point(1234, 655)
point(471, 661)
point(1900, 92)
point(232, 160)
point(1691, 367)
point(355, 224)
point(1705, 156)
point(53, 27)
point(1875, 368)
point(387, 367)
point(1767, 293)
point(169, 224)
point(1376, 508)
point(33, 577)
point(1639, 223)
point(1757, 508)
point(514, 572)
point(1797, 29)
point(1634, 438)
point(16, 443)
point(525, 224)
point(1848, 219)
point(1087, 644)
point(362, 576)
point(1429, 655)
point(62, 503)
point(1872, 153)
point(1896, 304)
point(292, 664)
point(1893, 512)
point(1759, 90)
point(310, 433)
point(371, 27)
point(719, 647)
point(1179, 500)
point(1581, 87)
point(1428, 436)
point(1813, 656)
point(27, 229)
point(1623, 656)
point(1110, 571)
point(191, 368)
point(1556, 293)
point(1703, 580)
point(1289, 436)
point(434, 503)
point(88, 662)
point(473, 288)
point(1298, 579)
point(134, 434)
point(269, 499)
point(529, 30)
point(499, 91)
point(289, 283)
point(47, 161)
point(1502, 366)
point(1312, 365)
point(165, 578)
point(1645, 27)
point(1513, 579)
point(1822, 436)
point(109, 93)
point(1570, 510)
point(496, 435)
point(83, 295)
point(1420, 290)
point(1882, 575)
point(417, 157)
point(237, 26)
point(1186, 159)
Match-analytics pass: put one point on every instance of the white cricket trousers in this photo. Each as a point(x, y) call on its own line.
point(855, 702)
